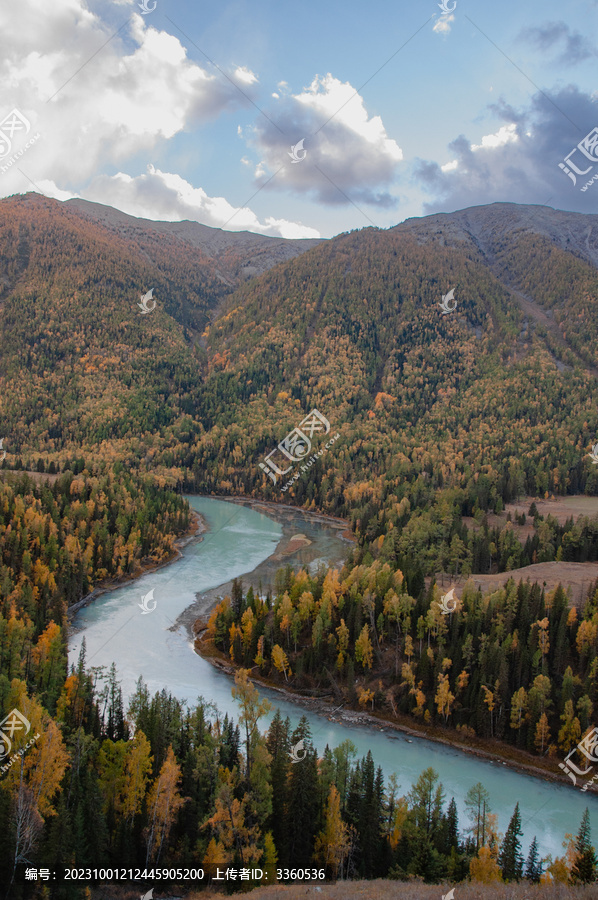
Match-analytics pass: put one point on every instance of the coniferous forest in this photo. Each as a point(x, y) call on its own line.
point(109, 416)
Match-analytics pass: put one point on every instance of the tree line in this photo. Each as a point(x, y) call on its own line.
point(182, 787)
point(516, 664)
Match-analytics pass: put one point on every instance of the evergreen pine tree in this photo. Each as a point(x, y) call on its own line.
point(510, 858)
point(116, 728)
point(229, 744)
point(449, 830)
point(303, 799)
point(367, 816)
point(370, 818)
point(533, 866)
point(584, 869)
point(237, 598)
point(277, 742)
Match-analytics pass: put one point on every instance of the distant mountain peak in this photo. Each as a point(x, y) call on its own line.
point(238, 255)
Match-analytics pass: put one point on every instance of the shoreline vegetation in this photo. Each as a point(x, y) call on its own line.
point(489, 751)
point(492, 751)
point(198, 527)
point(287, 551)
point(272, 506)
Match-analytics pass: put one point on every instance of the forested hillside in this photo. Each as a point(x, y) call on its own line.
point(234, 255)
point(517, 665)
point(439, 417)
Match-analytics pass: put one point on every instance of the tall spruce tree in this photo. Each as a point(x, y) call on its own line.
point(510, 858)
point(237, 598)
point(533, 865)
point(277, 742)
point(449, 831)
point(584, 868)
point(303, 799)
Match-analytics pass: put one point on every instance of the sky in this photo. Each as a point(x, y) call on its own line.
point(302, 118)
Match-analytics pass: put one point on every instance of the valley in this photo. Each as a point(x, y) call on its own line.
point(463, 460)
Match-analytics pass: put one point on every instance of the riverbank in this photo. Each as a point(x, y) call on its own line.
point(492, 752)
point(194, 618)
point(272, 508)
point(197, 528)
point(294, 548)
point(146, 646)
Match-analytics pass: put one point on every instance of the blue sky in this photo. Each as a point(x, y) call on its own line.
point(191, 110)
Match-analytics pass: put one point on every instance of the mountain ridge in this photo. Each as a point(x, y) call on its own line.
point(252, 253)
point(546, 219)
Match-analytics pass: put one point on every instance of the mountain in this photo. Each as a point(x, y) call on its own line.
point(438, 416)
point(504, 386)
point(488, 227)
point(493, 399)
point(235, 255)
point(80, 364)
point(522, 246)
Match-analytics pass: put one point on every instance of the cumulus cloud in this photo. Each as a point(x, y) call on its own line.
point(519, 162)
point(349, 156)
point(167, 197)
point(100, 99)
point(574, 47)
point(104, 108)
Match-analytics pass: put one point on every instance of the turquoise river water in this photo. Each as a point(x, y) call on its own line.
point(240, 539)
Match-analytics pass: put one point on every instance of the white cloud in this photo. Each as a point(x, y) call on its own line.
point(167, 197)
point(506, 134)
point(328, 97)
point(450, 166)
point(245, 75)
point(348, 152)
point(443, 25)
point(519, 162)
point(117, 97)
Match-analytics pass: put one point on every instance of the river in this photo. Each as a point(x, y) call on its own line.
point(240, 540)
